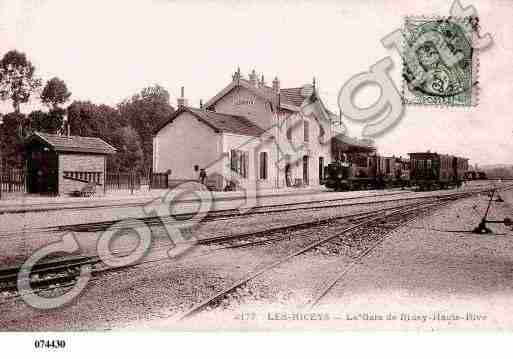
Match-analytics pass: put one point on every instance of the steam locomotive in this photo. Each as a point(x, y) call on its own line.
point(365, 171)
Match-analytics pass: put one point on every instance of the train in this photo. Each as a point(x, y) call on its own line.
point(365, 171)
point(424, 170)
point(475, 175)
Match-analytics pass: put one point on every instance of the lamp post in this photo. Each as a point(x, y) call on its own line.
point(1, 157)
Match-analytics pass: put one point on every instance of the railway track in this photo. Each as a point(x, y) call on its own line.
point(213, 215)
point(357, 257)
point(218, 215)
point(64, 272)
point(360, 248)
point(210, 216)
point(70, 267)
point(362, 253)
point(84, 206)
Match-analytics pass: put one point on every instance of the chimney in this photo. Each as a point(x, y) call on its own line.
point(261, 82)
point(253, 78)
point(236, 75)
point(201, 103)
point(182, 101)
point(65, 128)
point(276, 84)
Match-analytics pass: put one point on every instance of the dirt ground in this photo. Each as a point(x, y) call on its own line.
point(432, 274)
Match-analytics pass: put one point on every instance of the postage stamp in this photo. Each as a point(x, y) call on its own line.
point(440, 66)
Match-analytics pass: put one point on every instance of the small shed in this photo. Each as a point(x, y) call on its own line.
point(60, 165)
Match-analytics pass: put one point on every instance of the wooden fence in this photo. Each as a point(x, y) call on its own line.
point(123, 181)
point(133, 181)
point(12, 180)
point(159, 180)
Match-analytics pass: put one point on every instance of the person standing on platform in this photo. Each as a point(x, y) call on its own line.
point(203, 176)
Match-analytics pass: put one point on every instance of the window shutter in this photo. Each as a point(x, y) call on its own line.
point(239, 164)
point(232, 160)
point(263, 165)
point(246, 163)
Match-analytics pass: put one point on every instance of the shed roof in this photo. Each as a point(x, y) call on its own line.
point(76, 144)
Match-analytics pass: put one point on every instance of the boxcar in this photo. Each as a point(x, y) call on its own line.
point(430, 170)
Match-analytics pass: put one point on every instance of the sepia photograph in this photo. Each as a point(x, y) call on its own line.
point(240, 166)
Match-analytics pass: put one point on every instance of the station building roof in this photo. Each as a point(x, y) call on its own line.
point(219, 122)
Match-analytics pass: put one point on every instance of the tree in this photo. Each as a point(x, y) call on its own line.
point(91, 120)
point(12, 144)
point(17, 79)
point(88, 119)
point(82, 118)
point(50, 122)
point(144, 112)
point(130, 154)
point(55, 93)
point(37, 121)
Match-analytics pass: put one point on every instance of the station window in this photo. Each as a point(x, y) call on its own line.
point(263, 165)
point(239, 161)
point(306, 131)
point(289, 130)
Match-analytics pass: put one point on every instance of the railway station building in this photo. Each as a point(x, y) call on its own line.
point(248, 135)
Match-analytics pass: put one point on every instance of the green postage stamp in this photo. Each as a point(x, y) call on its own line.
point(440, 66)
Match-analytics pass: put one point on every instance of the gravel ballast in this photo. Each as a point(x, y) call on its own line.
point(417, 268)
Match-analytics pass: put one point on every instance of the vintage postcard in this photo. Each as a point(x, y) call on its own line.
point(233, 165)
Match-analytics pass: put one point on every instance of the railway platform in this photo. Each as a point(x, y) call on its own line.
point(36, 203)
point(36, 213)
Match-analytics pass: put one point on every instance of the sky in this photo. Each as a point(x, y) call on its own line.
point(108, 50)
